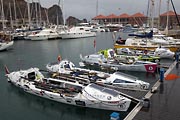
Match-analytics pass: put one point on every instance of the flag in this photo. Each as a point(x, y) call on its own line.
point(6, 70)
point(59, 58)
point(94, 43)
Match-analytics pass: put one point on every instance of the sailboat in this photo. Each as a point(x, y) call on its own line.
point(5, 39)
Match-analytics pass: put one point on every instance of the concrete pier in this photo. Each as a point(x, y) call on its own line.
point(164, 100)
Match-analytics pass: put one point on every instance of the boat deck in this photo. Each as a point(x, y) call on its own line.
point(164, 100)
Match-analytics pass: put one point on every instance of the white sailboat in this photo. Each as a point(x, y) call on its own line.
point(5, 39)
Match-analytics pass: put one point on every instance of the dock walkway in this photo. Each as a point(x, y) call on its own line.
point(164, 102)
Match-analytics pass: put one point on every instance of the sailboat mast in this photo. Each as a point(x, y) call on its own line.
point(159, 12)
point(148, 14)
point(175, 12)
point(63, 12)
point(10, 16)
point(2, 11)
point(15, 15)
point(47, 17)
point(29, 15)
point(167, 20)
point(97, 8)
point(152, 13)
point(40, 16)
point(36, 14)
point(58, 14)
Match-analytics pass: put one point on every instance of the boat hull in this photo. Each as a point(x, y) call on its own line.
point(33, 82)
point(6, 45)
point(76, 35)
point(151, 68)
point(75, 102)
point(172, 48)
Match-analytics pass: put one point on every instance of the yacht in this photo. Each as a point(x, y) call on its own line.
point(45, 34)
point(77, 32)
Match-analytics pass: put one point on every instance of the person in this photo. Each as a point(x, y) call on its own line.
point(119, 40)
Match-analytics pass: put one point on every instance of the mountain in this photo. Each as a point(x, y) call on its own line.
point(22, 11)
point(48, 15)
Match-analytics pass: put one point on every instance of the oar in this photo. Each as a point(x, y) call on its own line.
point(171, 77)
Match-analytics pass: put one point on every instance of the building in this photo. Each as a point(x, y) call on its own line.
point(172, 22)
point(136, 19)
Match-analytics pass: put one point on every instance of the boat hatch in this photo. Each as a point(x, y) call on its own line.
point(105, 90)
point(32, 75)
point(67, 66)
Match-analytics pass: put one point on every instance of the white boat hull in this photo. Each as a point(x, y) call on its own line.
point(42, 37)
point(46, 34)
point(141, 66)
point(86, 76)
point(88, 96)
point(76, 35)
point(6, 45)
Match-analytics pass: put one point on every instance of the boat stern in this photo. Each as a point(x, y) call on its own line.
point(151, 67)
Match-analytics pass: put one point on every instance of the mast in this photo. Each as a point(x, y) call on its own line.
point(10, 16)
point(167, 20)
point(58, 15)
point(15, 15)
point(159, 12)
point(148, 14)
point(63, 13)
point(29, 14)
point(47, 17)
point(40, 17)
point(97, 8)
point(175, 12)
point(152, 14)
point(2, 11)
point(36, 14)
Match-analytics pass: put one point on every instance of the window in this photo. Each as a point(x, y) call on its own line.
point(121, 81)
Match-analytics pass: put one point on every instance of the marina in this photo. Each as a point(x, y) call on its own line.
point(113, 67)
point(23, 56)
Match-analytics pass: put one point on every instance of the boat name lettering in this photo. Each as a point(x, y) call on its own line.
point(97, 95)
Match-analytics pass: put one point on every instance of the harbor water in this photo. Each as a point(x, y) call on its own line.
point(15, 104)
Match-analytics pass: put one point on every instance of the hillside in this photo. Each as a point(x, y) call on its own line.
point(22, 11)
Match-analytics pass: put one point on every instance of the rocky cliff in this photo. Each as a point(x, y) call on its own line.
point(48, 15)
point(22, 11)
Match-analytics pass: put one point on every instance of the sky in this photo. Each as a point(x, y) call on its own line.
point(87, 8)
